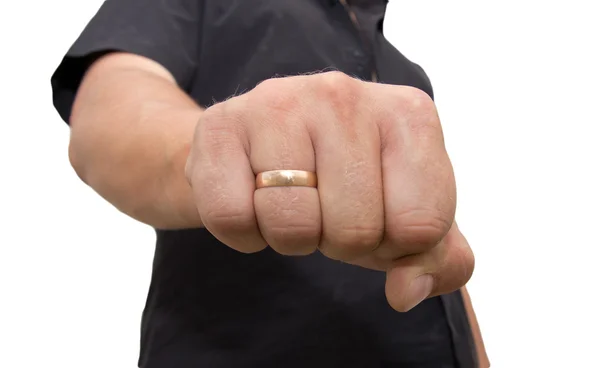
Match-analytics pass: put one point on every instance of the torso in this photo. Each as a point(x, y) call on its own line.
point(210, 306)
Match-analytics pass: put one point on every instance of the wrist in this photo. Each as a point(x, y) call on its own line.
point(180, 204)
point(180, 194)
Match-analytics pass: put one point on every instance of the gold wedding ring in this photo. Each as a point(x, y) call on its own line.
point(286, 178)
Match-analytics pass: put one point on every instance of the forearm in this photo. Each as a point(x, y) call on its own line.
point(482, 357)
point(131, 131)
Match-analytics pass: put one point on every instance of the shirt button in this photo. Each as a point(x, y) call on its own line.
point(357, 53)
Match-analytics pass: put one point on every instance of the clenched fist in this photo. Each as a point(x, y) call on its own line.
point(386, 194)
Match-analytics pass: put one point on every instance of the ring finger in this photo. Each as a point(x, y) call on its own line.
point(289, 217)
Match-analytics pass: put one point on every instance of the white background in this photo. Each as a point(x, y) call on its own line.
point(517, 88)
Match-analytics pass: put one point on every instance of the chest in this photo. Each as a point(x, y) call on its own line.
point(246, 42)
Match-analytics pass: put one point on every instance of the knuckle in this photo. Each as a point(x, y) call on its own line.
point(290, 232)
point(336, 85)
point(418, 100)
point(268, 84)
point(278, 95)
point(220, 130)
point(410, 114)
point(457, 270)
point(466, 266)
point(226, 113)
point(264, 88)
point(421, 112)
point(213, 119)
point(269, 89)
point(220, 217)
point(289, 220)
point(418, 230)
point(348, 243)
point(215, 112)
point(294, 239)
point(335, 78)
point(452, 263)
point(341, 95)
point(189, 168)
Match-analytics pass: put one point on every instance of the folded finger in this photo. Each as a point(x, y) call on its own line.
point(443, 269)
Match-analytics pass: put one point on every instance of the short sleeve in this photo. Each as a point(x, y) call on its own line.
point(166, 31)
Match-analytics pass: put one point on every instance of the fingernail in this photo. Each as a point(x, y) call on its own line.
point(419, 289)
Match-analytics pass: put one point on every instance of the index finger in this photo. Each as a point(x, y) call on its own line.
point(419, 186)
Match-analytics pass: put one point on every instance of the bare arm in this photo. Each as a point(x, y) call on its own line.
point(131, 130)
point(479, 346)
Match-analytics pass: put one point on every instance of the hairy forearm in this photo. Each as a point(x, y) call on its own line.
point(131, 129)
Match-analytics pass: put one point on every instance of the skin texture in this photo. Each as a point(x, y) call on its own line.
point(126, 145)
point(386, 196)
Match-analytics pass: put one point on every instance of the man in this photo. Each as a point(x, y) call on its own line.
point(307, 219)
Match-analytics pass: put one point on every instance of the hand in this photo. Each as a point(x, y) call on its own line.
point(386, 194)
